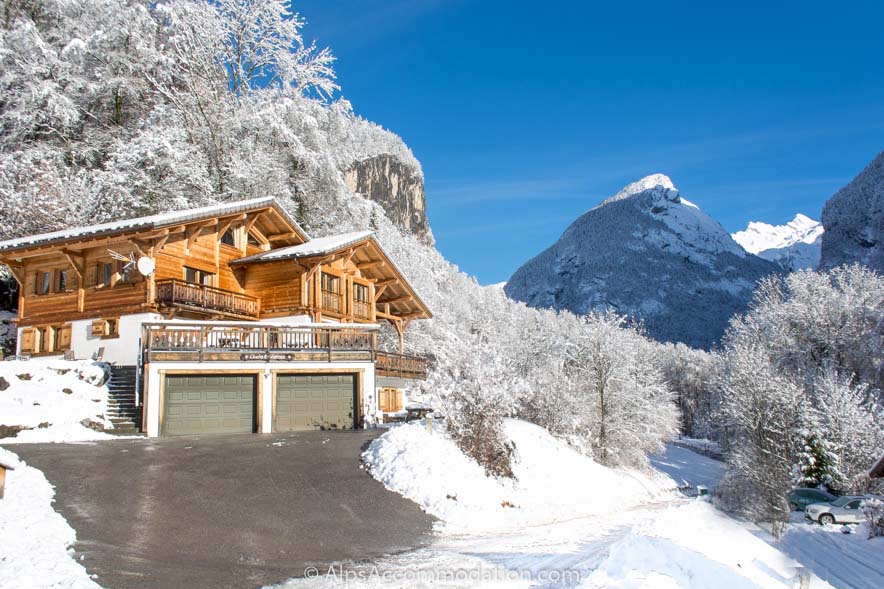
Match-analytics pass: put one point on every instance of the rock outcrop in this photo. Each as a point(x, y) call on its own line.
point(398, 188)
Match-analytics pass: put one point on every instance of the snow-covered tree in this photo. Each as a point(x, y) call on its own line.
point(817, 465)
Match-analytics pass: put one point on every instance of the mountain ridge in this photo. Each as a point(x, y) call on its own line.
point(651, 254)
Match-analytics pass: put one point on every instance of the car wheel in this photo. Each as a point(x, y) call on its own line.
point(827, 519)
point(793, 506)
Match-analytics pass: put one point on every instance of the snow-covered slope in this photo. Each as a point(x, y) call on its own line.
point(854, 221)
point(553, 482)
point(794, 246)
point(651, 254)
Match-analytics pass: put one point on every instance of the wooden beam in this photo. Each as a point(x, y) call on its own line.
point(371, 264)
point(404, 299)
point(385, 283)
point(194, 233)
point(77, 262)
point(223, 227)
point(312, 271)
point(379, 292)
point(17, 273)
point(349, 255)
point(281, 236)
point(159, 243)
point(254, 219)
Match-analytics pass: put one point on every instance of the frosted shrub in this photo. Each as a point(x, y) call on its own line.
point(873, 509)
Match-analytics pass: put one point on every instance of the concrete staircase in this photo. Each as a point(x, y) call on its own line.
point(122, 403)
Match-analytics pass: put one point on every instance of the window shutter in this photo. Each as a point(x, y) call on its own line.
point(64, 337)
point(27, 340)
point(98, 328)
point(398, 404)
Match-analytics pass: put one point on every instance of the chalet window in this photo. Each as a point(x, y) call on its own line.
point(61, 281)
point(194, 276)
point(229, 238)
point(361, 306)
point(331, 284)
point(331, 293)
point(106, 328)
point(106, 273)
point(46, 339)
point(44, 282)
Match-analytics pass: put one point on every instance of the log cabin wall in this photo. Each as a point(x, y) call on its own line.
point(79, 287)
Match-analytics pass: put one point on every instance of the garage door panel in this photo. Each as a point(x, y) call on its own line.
point(314, 402)
point(207, 404)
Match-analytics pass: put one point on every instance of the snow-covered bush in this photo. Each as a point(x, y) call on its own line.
point(873, 509)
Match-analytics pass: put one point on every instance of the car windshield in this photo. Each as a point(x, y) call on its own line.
point(842, 501)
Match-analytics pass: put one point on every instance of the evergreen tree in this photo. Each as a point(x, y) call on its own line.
point(817, 464)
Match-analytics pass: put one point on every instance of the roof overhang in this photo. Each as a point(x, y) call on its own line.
point(149, 223)
point(367, 254)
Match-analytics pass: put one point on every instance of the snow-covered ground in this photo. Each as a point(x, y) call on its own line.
point(576, 524)
point(34, 539)
point(846, 561)
point(552, 481)
point(686, 469)
point(52, 399)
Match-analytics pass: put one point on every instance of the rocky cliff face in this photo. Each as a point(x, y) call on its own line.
point(652, 255)
point(396, 187)
point(854, 221)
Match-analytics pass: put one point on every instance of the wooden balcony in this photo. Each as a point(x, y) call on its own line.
point(332, 301)
point(216, 342)
point(206, 299)
point(400, 366)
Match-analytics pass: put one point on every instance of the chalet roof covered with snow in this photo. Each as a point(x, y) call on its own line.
point(315, 247)
point(152, 222)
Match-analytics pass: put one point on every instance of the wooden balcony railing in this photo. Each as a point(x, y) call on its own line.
point(332, 301)
point(400, 365)
point(230, 342)
point(177, 293)
point(361, 309)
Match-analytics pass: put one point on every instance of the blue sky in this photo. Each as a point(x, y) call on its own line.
point(525, 115)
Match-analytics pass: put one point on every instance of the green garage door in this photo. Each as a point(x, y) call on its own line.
point(209, 404)
point(314, 401)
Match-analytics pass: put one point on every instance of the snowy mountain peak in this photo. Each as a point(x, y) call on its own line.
point(794, 245)
point(758, 237)
point(659, 184)
point(650, 254)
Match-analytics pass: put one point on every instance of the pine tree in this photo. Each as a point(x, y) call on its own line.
point(817, 464)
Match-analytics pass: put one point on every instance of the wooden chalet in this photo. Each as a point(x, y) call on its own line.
point(223, 318)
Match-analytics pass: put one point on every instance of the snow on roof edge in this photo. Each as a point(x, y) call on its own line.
point(314, 247)
point(156, 220)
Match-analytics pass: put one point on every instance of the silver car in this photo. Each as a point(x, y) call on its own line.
point(843, 510)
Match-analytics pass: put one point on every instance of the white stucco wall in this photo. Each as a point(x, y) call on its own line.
point(152, 405)
point(123, 350)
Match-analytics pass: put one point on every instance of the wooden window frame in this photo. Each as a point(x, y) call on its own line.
point(106, 328)
point(43, 285)
point(46, 339)
point(232, 231)
point(200, 276)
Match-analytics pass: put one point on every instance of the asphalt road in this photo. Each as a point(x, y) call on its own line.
point(224, 511)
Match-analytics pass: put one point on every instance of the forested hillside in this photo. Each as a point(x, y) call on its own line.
point(116, 108)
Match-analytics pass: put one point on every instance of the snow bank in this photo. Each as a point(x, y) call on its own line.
point(694, 545)
point(53, 397)
point(552, 481)
point(34, 539)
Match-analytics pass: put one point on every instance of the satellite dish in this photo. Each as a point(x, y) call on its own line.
point(145, 265)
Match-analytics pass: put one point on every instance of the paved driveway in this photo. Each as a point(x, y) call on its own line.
point(224, 511)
